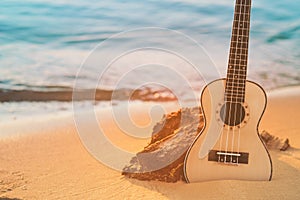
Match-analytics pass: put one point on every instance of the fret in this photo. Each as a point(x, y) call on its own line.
point(238, 92)
point(234, 96)
point(236, 37)
point(234, 69)
point(230, 88)
point(241, 18)
point(245, 17)
point(239, 4)
point(237, 56)
point(241, 85)
point(241, 13)
point(241, 101)
point(239, 38)
point(235, 91)
point(235, 51)
point(241, 21)
point(241, 28)
point(237, 67)
point(235, 81)
point(241, 63)
point(232, 84)
point(235, 84)
point(238, 61)
point(245, 36)
point(241, 54)
point(236, 76)
point(234, 43)
point(242, 9)
point(239, 45)
point(242, 31)
point(241, 49)
point(240, 24)
point(238, 51)
point(244, 2)
point(234, 100)
point(231, 66)
point(237, 71)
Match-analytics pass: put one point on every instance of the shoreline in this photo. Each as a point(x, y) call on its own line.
point(71, 94)
point(52, 163)
point(64, 118)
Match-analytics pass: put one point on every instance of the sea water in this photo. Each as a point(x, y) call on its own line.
point(44, 43)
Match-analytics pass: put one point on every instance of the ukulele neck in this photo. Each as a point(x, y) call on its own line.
point(238, 56)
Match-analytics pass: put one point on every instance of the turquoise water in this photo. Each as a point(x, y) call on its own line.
point(43, 42)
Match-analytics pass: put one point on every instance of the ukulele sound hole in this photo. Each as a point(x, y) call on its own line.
point(232, 114)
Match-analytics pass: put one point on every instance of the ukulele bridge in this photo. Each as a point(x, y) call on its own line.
point(228, 157)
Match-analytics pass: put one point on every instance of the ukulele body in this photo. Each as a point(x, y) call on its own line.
point(229, 152)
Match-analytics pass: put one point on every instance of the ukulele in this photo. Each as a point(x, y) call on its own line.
point(229, 146)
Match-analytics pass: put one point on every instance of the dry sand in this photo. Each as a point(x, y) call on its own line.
point(52, 163)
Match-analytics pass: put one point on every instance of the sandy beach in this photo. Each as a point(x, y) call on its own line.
point(47, 160)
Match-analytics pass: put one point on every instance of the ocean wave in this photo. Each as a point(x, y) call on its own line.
point(287, 34)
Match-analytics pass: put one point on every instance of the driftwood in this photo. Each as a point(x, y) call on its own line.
point(273, 142)
point(163, 158)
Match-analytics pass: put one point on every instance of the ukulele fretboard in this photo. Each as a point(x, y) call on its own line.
point(238, 56)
